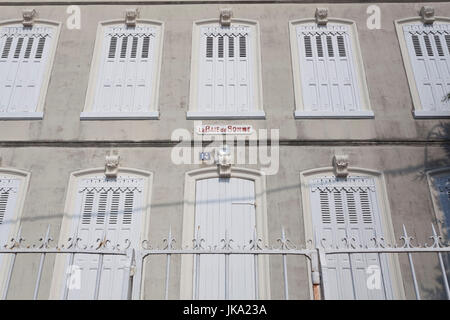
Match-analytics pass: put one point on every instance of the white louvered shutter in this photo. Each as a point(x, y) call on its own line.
point(126, 70)
point(443, 187)
point(225, 75)
point(327, 69)
point(110, 208)
point(348, 208)
point(9, 188)
point(429, 52)
point(225, 205)
point(24, 54)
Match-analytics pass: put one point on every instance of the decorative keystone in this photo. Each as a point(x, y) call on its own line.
point(112, 165)
point(321, 16)
point(223, 161)
point(340, 164)
point(225, 17)
point(131, 16)
point(427, 14)
point(28, 17)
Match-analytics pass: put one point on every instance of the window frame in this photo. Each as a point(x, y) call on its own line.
point(384, 212)
point(24, 176)
point(188, 232)
point(153, 108)
point(417, 111)
point(70, 219)
point(38, 114)
point(300, 112)
point(257, 110)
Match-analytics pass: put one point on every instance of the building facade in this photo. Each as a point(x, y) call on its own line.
point(216, 121)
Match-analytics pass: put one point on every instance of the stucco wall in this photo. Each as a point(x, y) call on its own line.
point(386, 78)
point(399, 149)
point(403, 166)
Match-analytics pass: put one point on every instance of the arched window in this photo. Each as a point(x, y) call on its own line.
point(426, 55)
point(26, 58)
point(329, 76)
point(216, 208)
point(13, 188)
point(98, 207)
point(225, 71)
point(353, 207)
point(124, 81)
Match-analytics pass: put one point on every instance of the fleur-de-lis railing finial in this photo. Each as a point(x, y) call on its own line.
point(436, 239)
point(169, 241)
point(17, 241)
point(226, 242)
point(285, 243)
point(407, 240)
point(197, 242)
point(255, 243)
point(45, 240)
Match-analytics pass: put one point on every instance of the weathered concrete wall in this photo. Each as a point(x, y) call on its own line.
point(403, 166)
point(403, 161)
point(386, 78)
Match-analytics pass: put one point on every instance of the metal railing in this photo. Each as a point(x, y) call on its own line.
point(316, 257)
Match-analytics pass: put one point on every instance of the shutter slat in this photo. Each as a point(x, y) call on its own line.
point(40, 48)
point(87, 209)
point(341, 46)
point(220, 47)
point(3, 204)
point(242, 47)
point(416, 44)
point(112, 48)
point(447, 40)
point(128, 210)
point(439, 48)
point(319, 46)
point(209, 47)
point(123, 51)
point(134, 47)
point(426, 38)
point(18, 48)
point(351, 206)
point(145, 47)
point(231, 47)
point(29, 47)
point(325, 207)
point(308, 47)
point(330, 46)
point(102, 204)
point(114, 208)
point(7, 48)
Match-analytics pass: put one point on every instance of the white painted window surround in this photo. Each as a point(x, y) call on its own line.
point(225, 71)
point(214, 208)
point(356, 206)
point(225, 207)
point(100, 207)
point(426, 55)
point(329, 76)
point(26, 58)
point(13, 187)
point(124, 82)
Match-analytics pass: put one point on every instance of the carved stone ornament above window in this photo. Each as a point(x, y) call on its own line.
point(427, 14)
point(321, 16)
point(131, 16)
point(225, 17)
point(112, 165)
point(28, 17)
point(223, 161)
point(340, 164)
